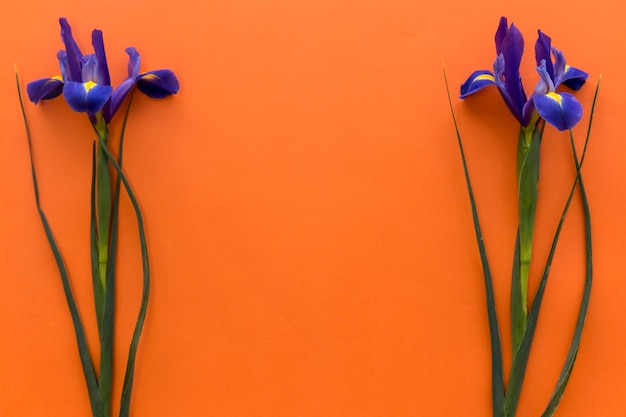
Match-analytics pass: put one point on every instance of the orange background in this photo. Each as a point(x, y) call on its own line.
point(309, 229)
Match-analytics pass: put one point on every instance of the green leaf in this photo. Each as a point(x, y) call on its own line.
point(584, 303)
point(132, 354)
point(83, 350)
point(520, 360)
point(494, 332)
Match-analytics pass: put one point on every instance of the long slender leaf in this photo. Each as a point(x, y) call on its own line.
point(520, 360)
point(81, 340)
point(584, 304)
point(130, 367)
point(494, 332)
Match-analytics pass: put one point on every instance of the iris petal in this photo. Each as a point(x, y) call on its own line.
point(477, 81)
point(73, 53)
point(44, 89)
point(561, 110)
point(543, 51)
point(89, 68)
point(503, 28)
point(159, 83)
point(62, 57)
point(564, 74)
point(122, 90)
point(101, 73)
point(512, 50)
point(574, 78)
point(516, 109)
point(86, 97)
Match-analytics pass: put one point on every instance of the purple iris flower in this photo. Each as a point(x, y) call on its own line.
point(561, 110)
point(86, 84)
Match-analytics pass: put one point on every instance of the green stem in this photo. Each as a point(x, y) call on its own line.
point(103, 275)
point(527, 179)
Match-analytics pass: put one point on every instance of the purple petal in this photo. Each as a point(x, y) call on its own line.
point(101, 74)
point(512, 50)
point(73, 53)
point(44, 89)
point(124, 88)
point(88, 70)
point(543, 51)
point(503, 28)
point(62, 57)
point(545, 83)
point(86, 97)
point(476, 82)
point(499, 67)
point(574, 78)
point(569, 76)
point(561, 110)
point(158, 84)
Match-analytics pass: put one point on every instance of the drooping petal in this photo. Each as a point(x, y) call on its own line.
point(564, 74)
point(476, 82)
point(159, 83)
point(74, 55)
point(123, 89)
point(86, 97)
point(574, 78)
point(101, 73)
point(561, 110)
point(543, 50)
point(44, 89)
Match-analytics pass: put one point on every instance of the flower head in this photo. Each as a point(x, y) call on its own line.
point(85, 81)
point(561, 110)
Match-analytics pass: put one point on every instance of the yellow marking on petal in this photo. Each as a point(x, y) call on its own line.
point(484, 77)
point(566, 68)
point(556, 97)
point(89, 85)
point(57, 77)
point(149, 77)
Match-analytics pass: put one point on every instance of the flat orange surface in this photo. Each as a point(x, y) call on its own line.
point(310, 236)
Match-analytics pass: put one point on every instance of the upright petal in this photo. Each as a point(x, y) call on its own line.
point(158, 84)
point(74, 55)
point(564, 74)
point(86, 97)
point(545, 84)
point(101, 74)
point(63, 63)
point(543, 50)
point(512, 50)
point(499, 68)
point(89, 68)
point(44, 89)
point(503, 28)
point(124, 88)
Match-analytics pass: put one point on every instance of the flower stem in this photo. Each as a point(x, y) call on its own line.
point(103, 279)
point(527, 179)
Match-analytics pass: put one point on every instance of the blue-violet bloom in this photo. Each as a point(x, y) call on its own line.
point(560, 109)
point(85, 81)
